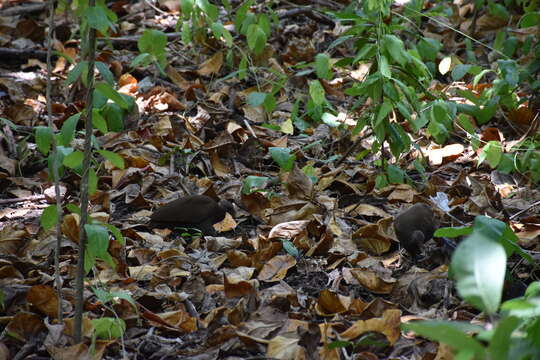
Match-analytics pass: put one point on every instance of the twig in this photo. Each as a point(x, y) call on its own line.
point(79, 284)
point(55, 165)
point(22, 199)
point(524, 210)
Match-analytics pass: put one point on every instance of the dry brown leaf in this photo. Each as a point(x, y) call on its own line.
point(276, 269)
point(388, 325)
point(212, 65)
point(44, 298)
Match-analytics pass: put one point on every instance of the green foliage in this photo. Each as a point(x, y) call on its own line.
point(197, 17)
point(152, 46)
point(252, 183)
point(109, 328)
point(49, 217)
point(283, 157)
point(479, 267)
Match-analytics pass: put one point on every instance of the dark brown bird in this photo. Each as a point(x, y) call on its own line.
point(415, 226)
point(194, 211)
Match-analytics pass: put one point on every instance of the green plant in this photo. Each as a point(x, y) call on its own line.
point(479, 268)
point(152, 45)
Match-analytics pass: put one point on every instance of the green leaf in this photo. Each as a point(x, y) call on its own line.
point(395, 48)
point(395, 174)
point(322, 66)
point(116, 233)
point(143, 59)
point(105, 72)
point(98, 245)
point(153, 42)
point(283, 157)
point(453, 232)
point(98, 121)
point(74, 209)
point(492, 152)
point(67, 133)
point(242, 68)
point(186, 33)
point(289, 248)
point(113, 157)
point(78, 70)
point(428, 48)
point(73, 160)
point(44, 137)
point(529, 20)
point(256, 38)
point(209, 9)
point(316, 91)
point(479, 265)
point(330, 120)
point(450, 333)
point(254, 183)
point(187, 8)
point(256, 98)
point(384, 67)
point(502, 340)
point(109, 328)
point(114, 116)
point(92, 181)
point(97, 19)
point(49, 217)
point(108, 91)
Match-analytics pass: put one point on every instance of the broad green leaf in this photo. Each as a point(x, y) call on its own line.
point(290, 249)
point(530, 19)
point(67, 133)
point(114, 116)
point(256, 98)
point(97, 246)
point(92, 181)
point(109, 328)
point(330, 120)
point(428, 48)
point(450, 333)
point(479, 265)
point(105, 72)
point(187, 8)
point(316, 91)
point(395, 48)
point(453, 232)
point(186, 33)
point(322, 66)
point(97, 19)
point(501, 342)
point(384, 67)
point(254, 183)
point(98, 121)
point(395, 174)
point(209, 9)
point(77, 71)
point(256, 38)
point(44, 137)
point(108, 91)
point(144, 59)
point(153, 42)
point(73, 160)
point(283, 157)
point(492, 152)
point(116, 233)
point(113, 157)
point(49, 217)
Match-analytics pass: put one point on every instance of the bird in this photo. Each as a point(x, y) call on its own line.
point(415, 226)
point(193, 211)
